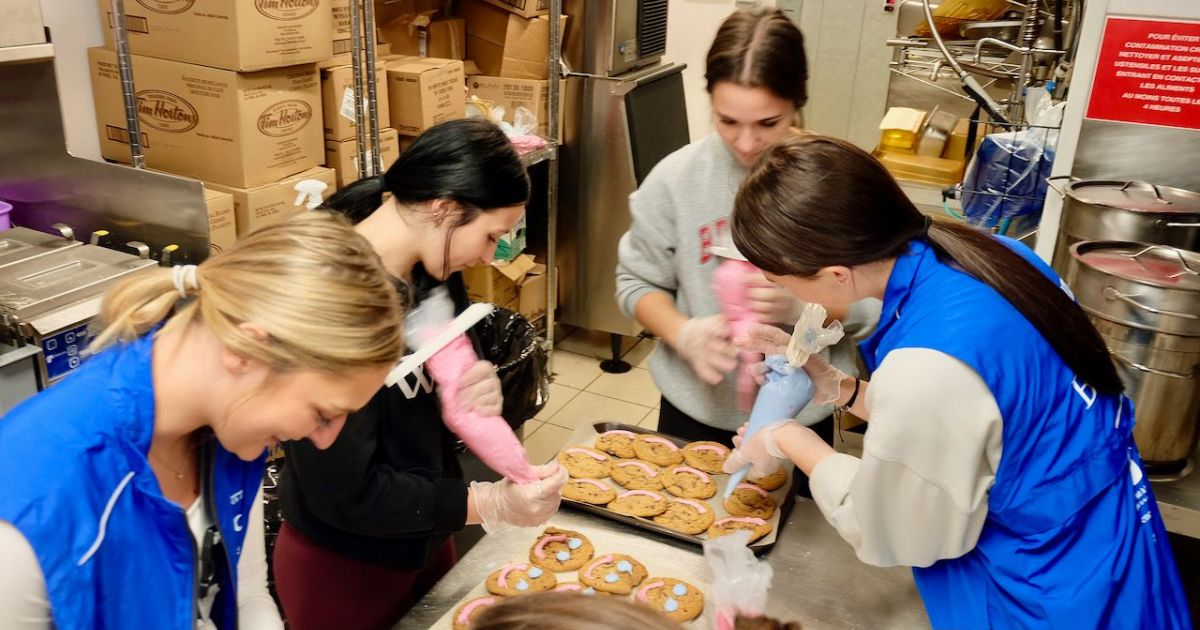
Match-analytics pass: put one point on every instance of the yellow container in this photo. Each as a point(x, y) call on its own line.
point(899, 129)
point(922, 168)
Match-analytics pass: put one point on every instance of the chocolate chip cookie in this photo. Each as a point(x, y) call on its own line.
point(584, 463)
point(614, 573)
point(589, 491)
point(519, 579)
point(750, 500)
point(639, 503)
point(706, 456)
point(772, 481)
point(657, 450)
point(675, 598)
point(635, 474)
point(466, 614)
point(686, 516)
point(689, 483)
point(561, 550)
point(576, 587)
point(617, 443)
point(756, 526)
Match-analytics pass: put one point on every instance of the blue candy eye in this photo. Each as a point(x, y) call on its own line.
point(535, 572)
point(589, 591)
point(624, 567)
point(522, 585)
point(671, 605)
point(611, 578)
point(562, 556)
point(679, 590)
point(574, 543)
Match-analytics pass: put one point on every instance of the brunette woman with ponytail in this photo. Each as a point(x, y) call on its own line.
point(999, 460)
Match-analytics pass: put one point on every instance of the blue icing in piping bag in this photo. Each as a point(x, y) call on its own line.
point(784, 392)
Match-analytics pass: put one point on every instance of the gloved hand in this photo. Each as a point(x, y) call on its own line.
point(704, 342)
point(479, 390)
point(772, 303)
point(764, 339)
point(524, 505)
point(826, 379)
point(761, 452)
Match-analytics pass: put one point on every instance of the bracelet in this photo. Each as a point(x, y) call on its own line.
point(853, 397)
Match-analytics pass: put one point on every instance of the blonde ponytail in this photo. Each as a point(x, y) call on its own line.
point(314, 285)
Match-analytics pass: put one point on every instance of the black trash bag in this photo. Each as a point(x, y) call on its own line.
point(509, 341)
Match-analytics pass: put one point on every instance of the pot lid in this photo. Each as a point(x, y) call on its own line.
point(1155, 265)
point(1135, 196)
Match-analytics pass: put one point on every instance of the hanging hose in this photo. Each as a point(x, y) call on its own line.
point(969, 84)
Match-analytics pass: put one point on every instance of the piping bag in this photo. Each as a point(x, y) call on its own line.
point(740, 581)
point(729, 283)
point(441, 343)
point(786, 386)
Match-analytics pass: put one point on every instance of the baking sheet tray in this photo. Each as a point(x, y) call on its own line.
point(784, 495)
point(660, 558)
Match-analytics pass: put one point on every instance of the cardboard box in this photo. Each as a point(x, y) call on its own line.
point(513, 93)
point(524, 8)
point(222, 230)
point(531, 293)
point(337, 100)
point(238, 35)
point(519, 285)
point(342, 156)
point(512, 243)
point(506, 45)
point(424, 92)
point(341, 38)
point(422, 35)
point(263, 205)
point(236, 129)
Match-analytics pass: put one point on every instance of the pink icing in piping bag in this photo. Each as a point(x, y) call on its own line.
point(729, 283)
point(489, 437)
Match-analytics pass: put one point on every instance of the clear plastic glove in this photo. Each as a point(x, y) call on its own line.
point(479, 390)
point(771, 302)
point(704, 342)
point(524, 505)
point(826, 379)
point(761, 452)
point(764, 339)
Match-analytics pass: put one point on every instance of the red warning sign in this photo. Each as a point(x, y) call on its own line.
point(1148, 72)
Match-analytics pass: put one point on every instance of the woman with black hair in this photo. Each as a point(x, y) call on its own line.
point(999, 460)
point(368, 521)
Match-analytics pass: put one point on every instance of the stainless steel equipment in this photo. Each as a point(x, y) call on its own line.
point(616, 36)
point(20, 244)
point(616, 130)
point(1145, 301)
point(1103, 210)
point(51, 301)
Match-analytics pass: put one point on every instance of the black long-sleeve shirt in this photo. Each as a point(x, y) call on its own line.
point(389, 491)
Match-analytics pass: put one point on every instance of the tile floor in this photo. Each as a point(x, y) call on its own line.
point(581, 392)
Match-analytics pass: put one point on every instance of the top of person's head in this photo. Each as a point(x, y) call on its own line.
point(311, 283)
point(570, 611)
point(469, 161)
point(760, 48)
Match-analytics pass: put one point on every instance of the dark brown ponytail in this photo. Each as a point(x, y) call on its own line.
point(760, 48)
point(812, 202)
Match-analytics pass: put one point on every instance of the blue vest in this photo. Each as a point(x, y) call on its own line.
point(114, 552)
point(1073, 537)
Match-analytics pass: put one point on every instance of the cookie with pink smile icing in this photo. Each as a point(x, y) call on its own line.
point(466, 614)
point(613, 573)
point(639, 503)
point(617, 443)
point(635, 474)
point(750, 500)
point(561, 550)
point(657, 450)
point(519, 579)
point(674, 598)
point(584, 463)
point(689, 483)
point(589, 491)
point(756, 526)
point(686, 516)
point(706, 456)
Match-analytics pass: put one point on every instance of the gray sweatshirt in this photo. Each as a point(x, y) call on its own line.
point(680, 212)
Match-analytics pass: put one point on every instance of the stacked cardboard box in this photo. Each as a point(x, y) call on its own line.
point(519, 285)
point(342, 155)
point(424, 91)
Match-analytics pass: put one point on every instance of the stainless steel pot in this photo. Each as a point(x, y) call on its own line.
point(1145, 301)
point(1106, 210)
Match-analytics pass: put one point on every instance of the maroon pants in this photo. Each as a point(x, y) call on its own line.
point(322, 589)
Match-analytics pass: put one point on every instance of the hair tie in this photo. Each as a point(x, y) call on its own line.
point(184, 278)
point(925, 228)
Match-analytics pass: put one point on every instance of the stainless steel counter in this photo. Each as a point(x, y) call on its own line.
point(818, 581)
point(1180, 504)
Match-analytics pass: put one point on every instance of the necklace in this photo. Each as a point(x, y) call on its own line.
point(178, 473)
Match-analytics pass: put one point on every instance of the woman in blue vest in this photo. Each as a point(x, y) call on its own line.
point(130, 494)
point(999, 461)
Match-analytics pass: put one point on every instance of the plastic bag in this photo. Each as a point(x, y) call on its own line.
point(1007, 177)
point(740, 581)
point(811, 335)
point(509, 341)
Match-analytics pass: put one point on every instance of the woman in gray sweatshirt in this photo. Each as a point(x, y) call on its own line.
point(756, 72)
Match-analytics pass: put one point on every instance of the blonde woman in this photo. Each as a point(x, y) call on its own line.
point(131, 488)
